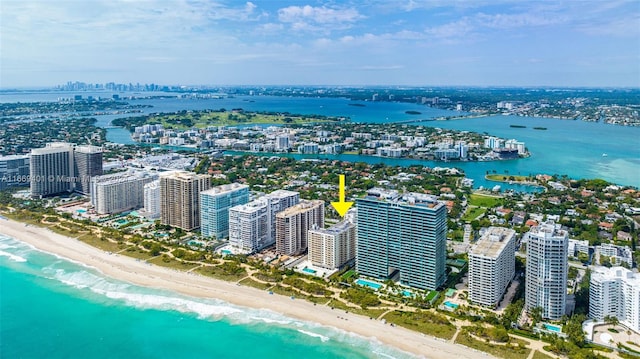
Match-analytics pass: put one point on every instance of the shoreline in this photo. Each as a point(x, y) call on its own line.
point(147, 275)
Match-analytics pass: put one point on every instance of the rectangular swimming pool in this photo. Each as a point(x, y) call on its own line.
point(451, 305)
point(552, 328)
point(309, 270)
point(366, 283)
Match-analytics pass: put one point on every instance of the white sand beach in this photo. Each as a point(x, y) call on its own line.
point(140, 273)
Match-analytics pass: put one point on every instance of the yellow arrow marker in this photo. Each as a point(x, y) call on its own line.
point(342, 207)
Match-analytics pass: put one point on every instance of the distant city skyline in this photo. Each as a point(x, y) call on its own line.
point(358, 43)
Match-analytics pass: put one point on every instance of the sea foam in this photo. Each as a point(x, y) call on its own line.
point(87, 278)
point(315, 335)
point(12, 257)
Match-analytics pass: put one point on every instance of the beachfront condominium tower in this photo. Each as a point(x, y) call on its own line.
point(293, 223)
point(87, 164)
point(51, 169)
point(248, 230)
point(333, 247)
point(402, 238)
point(491, 266)
point(119, 192)
point(252, 225)
point(152, 199)
point(214, 208)
point(180, 198)
point(546, 270)
point(615, 292)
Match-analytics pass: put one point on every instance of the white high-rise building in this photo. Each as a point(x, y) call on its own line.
point(293, 223)
point(51, 169)
point(546, 275)
point(282, 142)
point(491, 266)
point(252, 225)
point(119, 192)
point(152, 199)
point(214, 208)
point(615, 292)
point(333, 247)
point(248, 229)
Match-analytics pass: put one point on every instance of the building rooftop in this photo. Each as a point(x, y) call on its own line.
point(88, 149)
point(407, 199)
point(13, 157)
point(281, 193)
point(184, 175)
point(493, 242)
point(251, 207)
point(336, 228)
point(125, 176)
point(600, 273)
point(301, 207)
point(548, 229)
point(52, 147)
point(224, 188)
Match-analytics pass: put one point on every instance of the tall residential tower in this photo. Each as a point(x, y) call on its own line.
point(332, 247)
point(51, 169)
point(491, 266)
point(293, 223)
point(214, 208)
point(87, 163)
point(180, 198)
point(546, 275)
point(402, 238)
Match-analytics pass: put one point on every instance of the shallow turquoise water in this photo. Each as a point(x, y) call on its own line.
point(54, 308)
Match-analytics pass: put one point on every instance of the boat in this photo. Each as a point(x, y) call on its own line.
point(604, 155)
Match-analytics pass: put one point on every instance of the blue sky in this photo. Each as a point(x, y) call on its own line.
point(367, 42)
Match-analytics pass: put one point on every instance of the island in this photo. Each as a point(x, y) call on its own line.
point(316, 134)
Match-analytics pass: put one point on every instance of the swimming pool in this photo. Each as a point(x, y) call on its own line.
point(309, 270)
point(451, 305)
point(366, 283)
point(226, 251)
point(81, 210)
point(553, 328)
point(407, 293)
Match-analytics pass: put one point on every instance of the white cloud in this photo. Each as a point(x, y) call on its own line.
point(320, 15)
point(509, 21)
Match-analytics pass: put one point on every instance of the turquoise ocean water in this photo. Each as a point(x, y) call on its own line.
point(54, 308)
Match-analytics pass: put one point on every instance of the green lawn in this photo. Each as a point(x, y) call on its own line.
point(348, 274)
point(473, 213)
point(484, 201)
point(203, 119)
